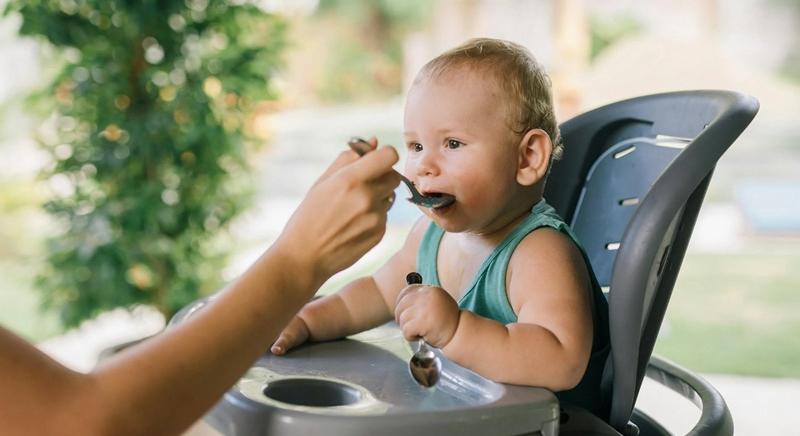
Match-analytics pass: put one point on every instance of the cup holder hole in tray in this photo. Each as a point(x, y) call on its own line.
point(312, 392)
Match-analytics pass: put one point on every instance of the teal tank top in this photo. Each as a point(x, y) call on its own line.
point(486, 296)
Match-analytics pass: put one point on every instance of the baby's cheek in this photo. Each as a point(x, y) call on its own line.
point(477, 197)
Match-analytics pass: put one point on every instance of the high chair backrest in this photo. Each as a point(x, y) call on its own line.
point(631, 183)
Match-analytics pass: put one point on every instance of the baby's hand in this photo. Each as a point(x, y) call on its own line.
point(292, 335)
point(427, 312)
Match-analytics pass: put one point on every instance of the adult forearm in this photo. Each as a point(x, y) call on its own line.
point(527, 353)
point(37, 394)
point(164, 384)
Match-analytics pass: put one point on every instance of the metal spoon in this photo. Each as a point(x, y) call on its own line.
point(425, 367)
point(362, 147)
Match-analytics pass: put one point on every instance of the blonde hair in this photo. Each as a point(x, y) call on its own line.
point(517, 72)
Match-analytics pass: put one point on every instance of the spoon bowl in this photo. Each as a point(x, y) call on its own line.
point(425, 367)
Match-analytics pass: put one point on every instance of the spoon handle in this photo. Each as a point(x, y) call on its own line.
point(413, 278)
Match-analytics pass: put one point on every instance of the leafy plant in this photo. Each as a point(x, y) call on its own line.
point(146, 117)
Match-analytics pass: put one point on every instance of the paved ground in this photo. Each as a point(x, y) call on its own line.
point(759, 406)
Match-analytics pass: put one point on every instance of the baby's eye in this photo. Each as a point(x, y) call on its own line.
point(415, 147)
point(454, 143)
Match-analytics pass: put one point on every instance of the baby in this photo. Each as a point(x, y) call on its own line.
point(510, 293)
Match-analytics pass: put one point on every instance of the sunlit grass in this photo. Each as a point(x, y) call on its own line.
point(737, 313)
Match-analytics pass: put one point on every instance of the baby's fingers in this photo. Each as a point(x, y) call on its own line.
point(405, 299)
point(411, 330)
point(293, 335)
point(281, 345)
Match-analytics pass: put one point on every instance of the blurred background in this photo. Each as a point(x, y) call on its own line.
point(148, 155)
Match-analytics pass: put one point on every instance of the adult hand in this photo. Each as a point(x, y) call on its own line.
point(427, 312)
point(344, 213)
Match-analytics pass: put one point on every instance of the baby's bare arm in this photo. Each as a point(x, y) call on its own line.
point(548, 287)
point(356, 307)
point(362, 304)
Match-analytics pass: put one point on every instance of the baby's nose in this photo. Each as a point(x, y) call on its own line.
point(427, 165)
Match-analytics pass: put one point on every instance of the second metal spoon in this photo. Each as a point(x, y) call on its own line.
point(425, 367)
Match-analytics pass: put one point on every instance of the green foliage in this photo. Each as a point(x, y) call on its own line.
point(607, 31)
point(145, 124)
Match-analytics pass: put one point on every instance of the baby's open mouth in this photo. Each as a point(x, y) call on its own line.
point(442, 199)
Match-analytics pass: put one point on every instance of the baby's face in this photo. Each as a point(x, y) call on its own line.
point(459, 143)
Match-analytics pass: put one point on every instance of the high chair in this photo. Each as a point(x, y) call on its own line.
point(630, 184)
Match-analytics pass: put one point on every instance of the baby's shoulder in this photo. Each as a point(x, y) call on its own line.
point(546, 262)
point(545, 248)
point(419, 228)
point(415, 235)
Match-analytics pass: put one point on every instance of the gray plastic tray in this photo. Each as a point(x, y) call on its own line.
point(361, 386)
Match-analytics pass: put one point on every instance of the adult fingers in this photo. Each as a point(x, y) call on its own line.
point(345, 158)
point(387, 182)
point(388, 202)
point(373, 165)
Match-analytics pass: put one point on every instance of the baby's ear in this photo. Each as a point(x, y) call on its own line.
point(535, 149)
